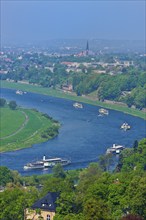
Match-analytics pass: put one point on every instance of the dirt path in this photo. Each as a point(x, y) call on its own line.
point(22, 126)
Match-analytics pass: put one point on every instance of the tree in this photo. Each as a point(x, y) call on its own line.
point(2, 102)
point(12, 105)
point(5, 176)
point(96, 210)
point(135, 145)
point(129, 100)
point(13, 202)
point(70, 216)
point(58, 171)
point(135, 193)
point(105, 161)
point(140, 100)
point(66, 203)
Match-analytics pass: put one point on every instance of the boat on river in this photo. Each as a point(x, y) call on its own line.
point(115, 149)
point(77, 105)
point(103, 111)
point(125, 126)
point(46, 163)
point(19, 92)
point(34, 165)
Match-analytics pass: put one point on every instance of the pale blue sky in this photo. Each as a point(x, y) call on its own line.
point(31, 21)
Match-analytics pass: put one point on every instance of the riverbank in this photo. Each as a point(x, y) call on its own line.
point(71, 96)
point(31, 127)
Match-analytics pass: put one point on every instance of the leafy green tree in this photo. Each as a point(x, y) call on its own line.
point(87, 177)
point(70, 216)
point(16, 177)
point(134, 160)
point(5, 175)
point(140, 99)
point(13, 202)
point(66, 203)
point(135, 195)
point(12, 105)
point(105, 161)
point(54, 184)
point(116, 198)
point(135, 145)
point(2, 102)
point(58, 171)
point(96, 210)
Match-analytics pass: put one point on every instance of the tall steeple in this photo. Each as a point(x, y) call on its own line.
point(87, 48)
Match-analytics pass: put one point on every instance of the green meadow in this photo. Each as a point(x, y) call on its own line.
point(71, 96)
point(10, 121)
point(23, 127)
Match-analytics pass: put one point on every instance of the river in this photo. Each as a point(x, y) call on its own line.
point(83, 136)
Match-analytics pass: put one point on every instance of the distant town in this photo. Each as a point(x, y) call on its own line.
point(81, 69)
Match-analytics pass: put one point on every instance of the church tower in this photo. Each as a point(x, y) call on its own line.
point(87, 48)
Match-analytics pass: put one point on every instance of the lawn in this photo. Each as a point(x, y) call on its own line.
point(30, 132)
point(10, 121)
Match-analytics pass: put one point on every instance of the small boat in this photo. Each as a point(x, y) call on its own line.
point(115, 149)
point(77, 105)
point(19, 92)
point(125, 126)
point(103, 111)
point(46, 163)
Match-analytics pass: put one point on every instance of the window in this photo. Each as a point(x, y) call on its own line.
point(48, 217)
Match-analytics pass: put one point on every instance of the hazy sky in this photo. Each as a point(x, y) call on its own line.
point(31, 21)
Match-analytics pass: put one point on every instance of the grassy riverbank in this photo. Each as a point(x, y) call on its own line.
point(23, 127)
point(71, 96)
point(8, 121)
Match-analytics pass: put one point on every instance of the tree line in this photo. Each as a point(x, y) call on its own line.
point(12, 104)
point(128, 87)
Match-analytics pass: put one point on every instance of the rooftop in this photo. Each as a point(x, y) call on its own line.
point(47, 203)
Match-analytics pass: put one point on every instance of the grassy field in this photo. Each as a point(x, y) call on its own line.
point(10, 121)
point(61, 94)
point(23, 135)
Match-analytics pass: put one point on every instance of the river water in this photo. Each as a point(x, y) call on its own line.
point(83, 136)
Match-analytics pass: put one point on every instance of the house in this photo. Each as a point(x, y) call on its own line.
point(44, 208)
point(67, 87)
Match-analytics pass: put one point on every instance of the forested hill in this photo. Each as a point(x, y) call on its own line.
point(88, 194)
point(129, 87)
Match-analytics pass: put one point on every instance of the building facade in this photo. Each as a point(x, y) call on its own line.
point(44, 208)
